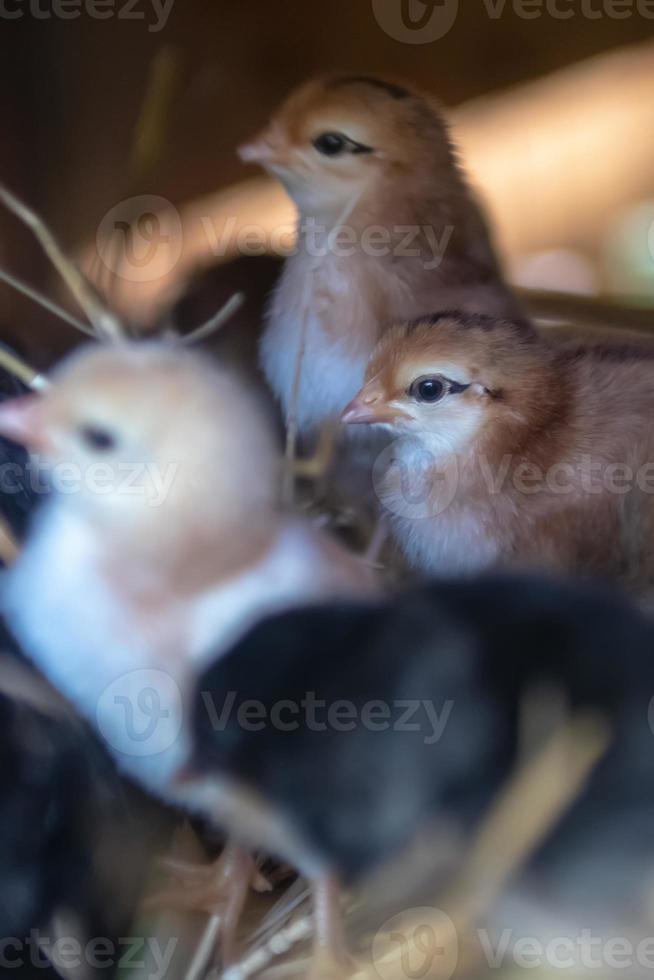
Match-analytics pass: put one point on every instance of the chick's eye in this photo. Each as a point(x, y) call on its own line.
point(330, 144)
point(427, 390)
point(95, 437)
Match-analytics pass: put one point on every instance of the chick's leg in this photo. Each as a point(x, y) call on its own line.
point(330, 960)
point(219, 888)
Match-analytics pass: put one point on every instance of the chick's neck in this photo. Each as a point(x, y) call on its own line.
point(531, 420)
point(185, 549)
point(399, 218)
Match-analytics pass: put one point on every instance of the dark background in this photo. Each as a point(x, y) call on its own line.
point(71, 92)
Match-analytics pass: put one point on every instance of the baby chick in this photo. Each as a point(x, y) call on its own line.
point(162, 543)
point(461, 657)
point(388, 230)
point(510, 451)
point(75, 839)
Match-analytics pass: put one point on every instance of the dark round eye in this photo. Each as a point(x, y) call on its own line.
point(330, 144)
point(427, 390)
point(97, 438)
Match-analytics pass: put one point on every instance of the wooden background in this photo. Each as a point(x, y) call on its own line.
point(71, 92)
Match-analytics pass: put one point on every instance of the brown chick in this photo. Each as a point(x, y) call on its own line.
point(510, 451)
point(388, 230)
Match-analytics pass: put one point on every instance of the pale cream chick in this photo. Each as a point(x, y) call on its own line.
point(373, 159)
point(509, 451)
point(163, 543)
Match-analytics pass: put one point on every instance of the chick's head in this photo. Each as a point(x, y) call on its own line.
point(128, 430)
point(449, 378)
point(335, 138)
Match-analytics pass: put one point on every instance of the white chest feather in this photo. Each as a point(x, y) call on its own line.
point(330, 312)
point(421, 490)
point(83, 637)
point(448, 545)
point(132, 675)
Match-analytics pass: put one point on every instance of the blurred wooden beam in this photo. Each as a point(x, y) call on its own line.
point(586, 312)
point(557, 158)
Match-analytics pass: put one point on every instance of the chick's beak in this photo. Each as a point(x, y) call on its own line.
point(22, 420)
point(369, 406)
point(261, 150)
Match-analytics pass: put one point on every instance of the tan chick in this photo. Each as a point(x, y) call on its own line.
point(388, 230)
point(508, 451)
point(162, 544)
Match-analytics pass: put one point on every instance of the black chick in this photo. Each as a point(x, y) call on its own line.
point(75, 839)
point(39, 817)
point(346, 800)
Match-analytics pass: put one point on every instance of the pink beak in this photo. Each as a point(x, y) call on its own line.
point(266, 148)
point(368, 407)
point(21, 420)
point(259, 151)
